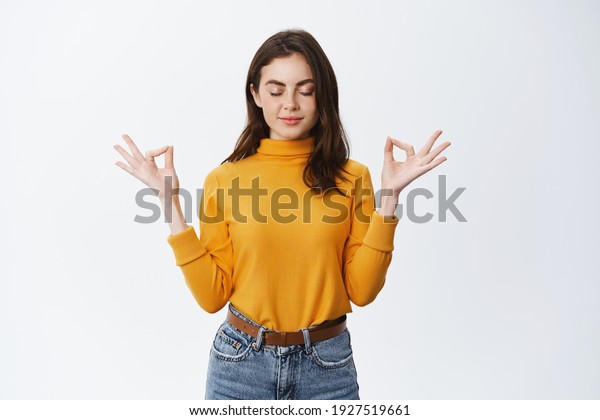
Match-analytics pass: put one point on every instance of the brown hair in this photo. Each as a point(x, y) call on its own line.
point(332, 149)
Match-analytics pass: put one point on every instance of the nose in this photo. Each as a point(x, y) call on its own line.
point(290, 101)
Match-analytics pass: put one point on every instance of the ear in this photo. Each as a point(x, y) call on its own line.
point(256, 96)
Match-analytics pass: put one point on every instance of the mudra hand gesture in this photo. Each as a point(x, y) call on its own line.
point(144, 167)
point(396, 175)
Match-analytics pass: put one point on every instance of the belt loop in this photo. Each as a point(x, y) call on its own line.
point(307, 343)
point(259, 339)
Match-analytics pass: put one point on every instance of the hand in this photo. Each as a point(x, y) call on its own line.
point(397, 175)
point(145, 169)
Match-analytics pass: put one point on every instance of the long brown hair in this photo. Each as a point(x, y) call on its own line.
point(332, 148)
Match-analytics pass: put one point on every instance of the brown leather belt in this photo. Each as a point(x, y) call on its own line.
point(327, 329)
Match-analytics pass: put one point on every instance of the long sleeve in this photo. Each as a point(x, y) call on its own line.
point(368, 249)
point(207, 262)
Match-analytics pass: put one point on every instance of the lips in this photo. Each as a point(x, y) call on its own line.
point(291, 120)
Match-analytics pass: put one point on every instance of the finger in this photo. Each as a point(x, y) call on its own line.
point(124, 167)
point(429, 144)
point(388, 150)
point(151, 154)
point(134, 150)
point(126, 156)
point(169, 158)
point(408, 148)
point(431, 165)
point(431, 155)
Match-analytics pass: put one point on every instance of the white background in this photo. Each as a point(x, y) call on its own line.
point(504, 306)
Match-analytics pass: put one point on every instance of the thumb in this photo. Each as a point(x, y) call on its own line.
point(388, 150)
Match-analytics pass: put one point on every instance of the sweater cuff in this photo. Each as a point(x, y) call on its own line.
point(380, 235)
point(186, 246)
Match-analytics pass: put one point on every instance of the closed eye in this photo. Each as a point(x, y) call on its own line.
point(301, 93)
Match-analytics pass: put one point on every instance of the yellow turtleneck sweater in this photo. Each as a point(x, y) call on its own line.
point(284, 258)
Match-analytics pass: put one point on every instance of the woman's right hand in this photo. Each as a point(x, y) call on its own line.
point(144, 167)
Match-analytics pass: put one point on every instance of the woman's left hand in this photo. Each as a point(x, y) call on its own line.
point(397, 175)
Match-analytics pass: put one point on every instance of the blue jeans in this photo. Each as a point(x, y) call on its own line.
point(242, 367)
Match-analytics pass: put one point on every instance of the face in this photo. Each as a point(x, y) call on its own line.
point(287, 97)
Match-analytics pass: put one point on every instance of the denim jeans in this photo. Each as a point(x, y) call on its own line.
point(244, 367)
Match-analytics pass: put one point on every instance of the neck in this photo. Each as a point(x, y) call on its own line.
point(269, 146)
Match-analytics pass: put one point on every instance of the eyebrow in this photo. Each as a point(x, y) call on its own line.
point(300, 83)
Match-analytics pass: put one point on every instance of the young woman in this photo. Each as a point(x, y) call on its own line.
point(289, 233)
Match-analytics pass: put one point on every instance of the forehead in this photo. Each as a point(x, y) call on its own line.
point(290, 69)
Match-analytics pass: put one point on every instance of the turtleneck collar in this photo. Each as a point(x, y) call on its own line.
point(286, 147)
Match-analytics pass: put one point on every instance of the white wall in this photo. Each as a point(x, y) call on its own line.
point(504, 306)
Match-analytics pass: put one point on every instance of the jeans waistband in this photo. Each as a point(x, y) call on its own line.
point(324, 331)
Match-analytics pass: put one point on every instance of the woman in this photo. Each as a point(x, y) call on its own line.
point(289, 234)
